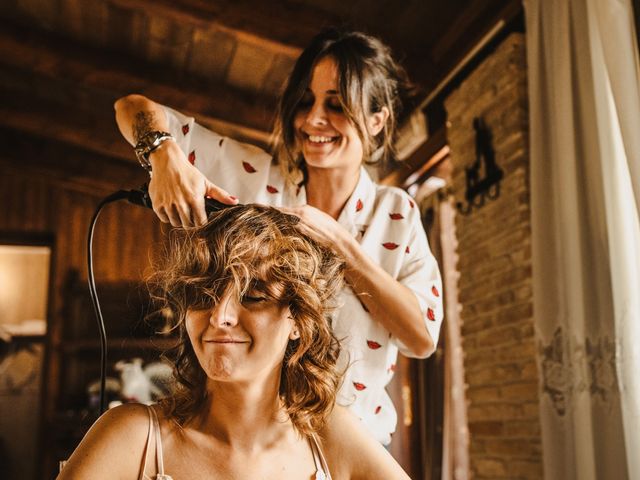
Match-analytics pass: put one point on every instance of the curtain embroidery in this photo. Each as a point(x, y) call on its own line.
point(579, 368)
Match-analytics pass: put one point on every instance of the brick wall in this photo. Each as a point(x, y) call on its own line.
point(495, 285)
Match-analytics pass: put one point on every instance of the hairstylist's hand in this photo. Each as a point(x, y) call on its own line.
point(321, 227)
point(178, 189)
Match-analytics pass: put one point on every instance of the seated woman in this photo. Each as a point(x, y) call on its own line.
point(256, 374)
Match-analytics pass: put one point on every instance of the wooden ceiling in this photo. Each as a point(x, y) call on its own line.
point(64, 62)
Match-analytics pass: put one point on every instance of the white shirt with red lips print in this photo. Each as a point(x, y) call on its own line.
point(384, 220)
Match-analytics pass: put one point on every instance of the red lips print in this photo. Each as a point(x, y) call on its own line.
point(435, 291)
point(390, 245)
point(271, 189)
point(248, 167)
point(396, 216)
point(192, 157)
point(359, 205)
point(377, 410)
point(359, 386)
point(411, 204)
point(431, 315)
point(185, 129)
point(373, 345)
point(406, 250)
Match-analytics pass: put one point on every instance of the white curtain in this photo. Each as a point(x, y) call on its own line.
point(584, 94)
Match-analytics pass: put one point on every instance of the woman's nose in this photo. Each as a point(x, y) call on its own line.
point(225, 312)
point(317, 114)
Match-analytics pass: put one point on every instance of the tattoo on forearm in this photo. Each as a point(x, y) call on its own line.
point(142, 124)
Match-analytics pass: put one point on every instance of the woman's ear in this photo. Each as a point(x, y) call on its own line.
point(295, 334)
point(378, 120)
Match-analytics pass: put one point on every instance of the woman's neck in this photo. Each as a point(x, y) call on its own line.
point(329, 189)
point(245, 416)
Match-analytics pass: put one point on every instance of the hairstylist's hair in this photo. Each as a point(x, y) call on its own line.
point(369, 79)
point(242, 249)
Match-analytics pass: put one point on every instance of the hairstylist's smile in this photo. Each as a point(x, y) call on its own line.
point(319, 139)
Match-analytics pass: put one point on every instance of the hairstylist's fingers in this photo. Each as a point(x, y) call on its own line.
point(174, 217)
point(184, 213)
point(217, 193)
point(160, 213)
point(293, 211)
point(310, 232)
point(198, 212)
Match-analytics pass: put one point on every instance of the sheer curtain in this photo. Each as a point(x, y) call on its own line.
point(584, 84)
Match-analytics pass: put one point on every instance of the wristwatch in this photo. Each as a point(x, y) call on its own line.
point(147, 144)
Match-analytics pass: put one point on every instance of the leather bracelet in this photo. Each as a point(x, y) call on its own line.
point(147, 144)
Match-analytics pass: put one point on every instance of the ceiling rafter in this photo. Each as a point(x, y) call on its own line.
point(212, 103)
point(288, 23)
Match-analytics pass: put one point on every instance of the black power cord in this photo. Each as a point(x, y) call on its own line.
point(137, 197)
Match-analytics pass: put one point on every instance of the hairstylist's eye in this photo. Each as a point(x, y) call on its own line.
point(333, 103)
point(305, 102)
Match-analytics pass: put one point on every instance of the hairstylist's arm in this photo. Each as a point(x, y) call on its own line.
point(388, 301)
point(351, 451)
point(177, 188)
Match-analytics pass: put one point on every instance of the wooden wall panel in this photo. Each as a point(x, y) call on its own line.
point(33, 203)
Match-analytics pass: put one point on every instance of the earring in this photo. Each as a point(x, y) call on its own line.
point(295, 334)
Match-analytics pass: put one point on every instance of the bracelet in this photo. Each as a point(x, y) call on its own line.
point(147, 144)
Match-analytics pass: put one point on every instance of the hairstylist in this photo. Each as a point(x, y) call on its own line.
point(337, 112)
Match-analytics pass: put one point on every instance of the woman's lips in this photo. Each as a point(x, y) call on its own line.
point(320, 140)
point(225, 340)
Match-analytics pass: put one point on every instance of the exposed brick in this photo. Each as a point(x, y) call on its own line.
point(520, 391)
point(522, 428)
point(494, 262)
point(526, 469)
point(489, 468)
point(501, 374)
point(520, 448)
point(475, 324)
point(483, 394)
point(495, 411)
point(486, 428)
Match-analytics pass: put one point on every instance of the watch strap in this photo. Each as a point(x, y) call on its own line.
point(147, 144)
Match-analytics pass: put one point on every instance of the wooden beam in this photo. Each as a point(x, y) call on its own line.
point(416, 161)
point(73, 167)
point(95, 132)
point(115, 76)
point(291, 24)
point(463, 34)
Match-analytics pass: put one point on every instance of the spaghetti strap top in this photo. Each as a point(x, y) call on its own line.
point(154, 430)
point(322, 470)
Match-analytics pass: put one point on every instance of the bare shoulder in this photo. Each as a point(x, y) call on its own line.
point(351, 451)
point(113, 447)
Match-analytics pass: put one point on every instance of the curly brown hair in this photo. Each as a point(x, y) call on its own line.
point(241, 247)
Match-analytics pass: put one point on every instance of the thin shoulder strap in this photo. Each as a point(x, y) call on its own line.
point(146, 449)
point(159, 457)
point(322, 469)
